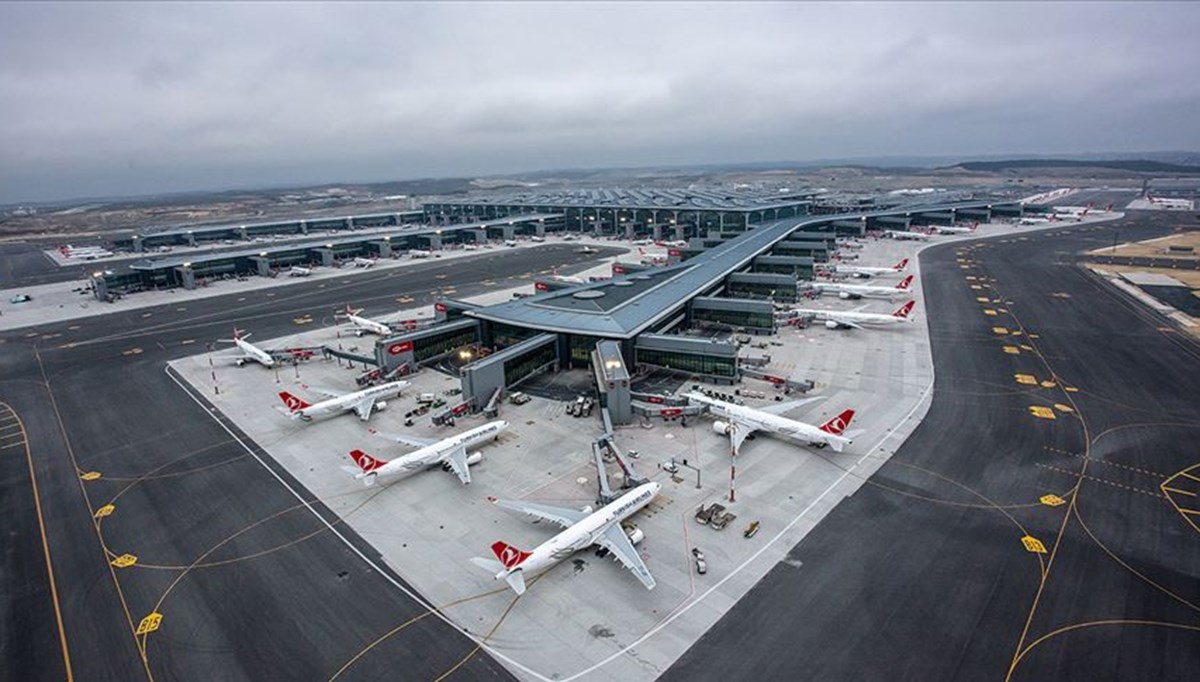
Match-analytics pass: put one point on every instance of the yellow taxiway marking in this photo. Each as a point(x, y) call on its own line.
point(1025, 347)
point(1012, 350)
point(1000, 330)
point(1065, 409)
point(149, 624)
point(1042, 412)
point(1070, 389)
point(1051, 500)
point(187, 341)
point(306, 319)
point(1018, 332)
point(982, 299)
point(1025, 379)
point(971, 278)
point(73, 327)
point(976, 286)
point(124, 561)
point(989, 312)
point(1033, 336)
point(104, 511)
point(1181, 492)
point(1048, 384)
point(90, 476)
point(241, 299)
point(1061, 294)
point(147, 314)
point(132, 351)
point(1034, 545)
point(441, 276)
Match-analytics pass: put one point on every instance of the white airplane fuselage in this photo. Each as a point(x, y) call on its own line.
point(869, 319)
point(584, 534)
point(865, 270)
point(860, 290)
point(254, 353)
point(437, 452)
point(366, 324)
point(347, 402)
point(772, 423)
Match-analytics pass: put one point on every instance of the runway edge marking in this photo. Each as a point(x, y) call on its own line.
point(37, 504)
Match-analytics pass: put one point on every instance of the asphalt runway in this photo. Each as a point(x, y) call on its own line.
point(249, 582)
point(925, 573)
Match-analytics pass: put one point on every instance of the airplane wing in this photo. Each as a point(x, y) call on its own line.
point(363, 408)
point(738, 435)
point(412, 441)
point(617, 543)
point(457, 459)
point(562, 516)
point(789, 405)
point(327, 392)
point(846, 323)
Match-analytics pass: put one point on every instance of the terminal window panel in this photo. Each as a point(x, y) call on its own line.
point(581, 348)
point(763, 290)
point(689, 362)
point(424, 349)
point(517, 369)
point(504, 335)
point(736, 318)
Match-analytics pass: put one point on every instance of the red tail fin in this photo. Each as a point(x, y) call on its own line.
point(293, 403)
point(901, 265)
point(839, 423)
point(903, 285)
point(508, 555)
point(904, 310)
point(366, 462)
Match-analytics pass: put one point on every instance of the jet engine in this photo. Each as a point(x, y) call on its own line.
point(830, 324)
point(845, 295)
point(381, 404)
point(723, 428)
point(474, 458)
point(635, 534)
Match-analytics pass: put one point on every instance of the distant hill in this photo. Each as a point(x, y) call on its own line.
point(1131, 165)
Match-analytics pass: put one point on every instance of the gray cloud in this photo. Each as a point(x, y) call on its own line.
point(139, 98)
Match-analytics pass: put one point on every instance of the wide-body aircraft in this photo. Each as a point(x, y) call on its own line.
point(743, 421)
point(449, 452)
point(582, 529)
point(361, 402)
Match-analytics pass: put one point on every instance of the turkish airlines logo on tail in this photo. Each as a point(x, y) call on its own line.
point(903, 285)
point(293, 403)
point(508, 555)
point(904, 310)
point(839, 423)
point(901, 265)
point(364, 461)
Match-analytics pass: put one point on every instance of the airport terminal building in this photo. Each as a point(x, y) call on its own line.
point(733, 285)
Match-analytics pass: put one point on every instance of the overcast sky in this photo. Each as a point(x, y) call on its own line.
point(118, 99)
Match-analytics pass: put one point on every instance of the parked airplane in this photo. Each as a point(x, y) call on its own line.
point(856, 319)
point(251, 351)
point(363, 262)
point(857, 291)
point(946, 229)
point(642, 242)
point(678, 243)
point(868, 270)
point(906, 235)
point(299, 271)
point(364, 325)
point(536, 238)
point(1038, 221)
point(510, 242)
point(568, 279)
point(362, 402)
point(744, 421)
point(450, 452)
point(419, 253)
point(583, 528)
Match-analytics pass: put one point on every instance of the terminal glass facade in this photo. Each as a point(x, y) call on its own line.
point(761, 290)
point(504, 335)
point(517, 369)
point(710, 365)
point(581, 348)
point(736, 318)
point(438, 344)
